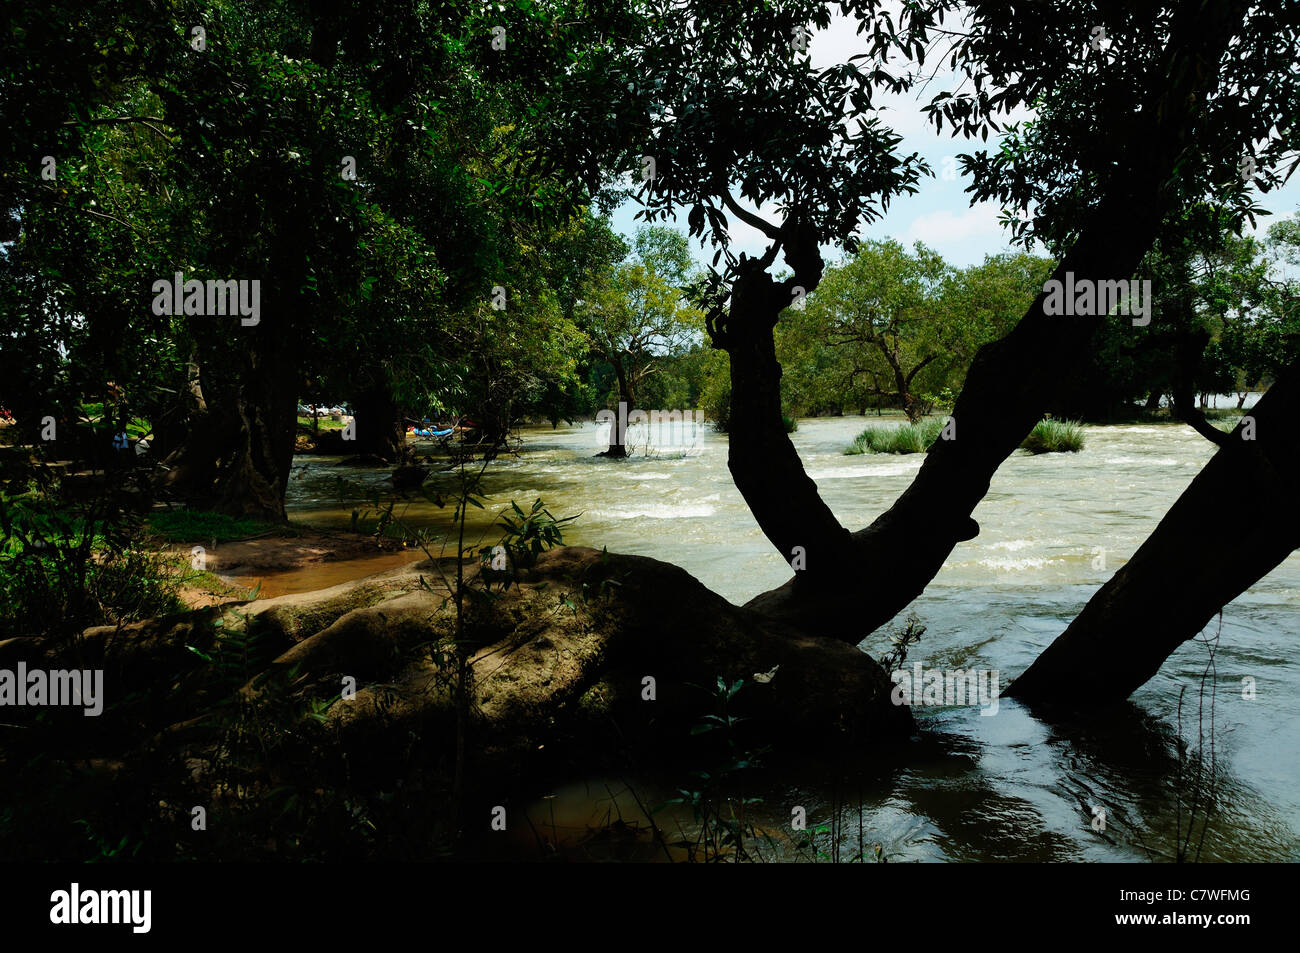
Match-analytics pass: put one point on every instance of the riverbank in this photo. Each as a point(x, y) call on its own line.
point(1053, 528)
point(281, 561)
point(970, 786)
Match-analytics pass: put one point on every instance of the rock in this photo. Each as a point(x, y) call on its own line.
point(540, 668)
point(409, 477)
point(558, 663)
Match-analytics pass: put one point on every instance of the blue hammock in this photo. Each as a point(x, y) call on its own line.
point(431, 433)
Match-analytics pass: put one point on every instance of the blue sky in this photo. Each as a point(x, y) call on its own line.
point(940, 214)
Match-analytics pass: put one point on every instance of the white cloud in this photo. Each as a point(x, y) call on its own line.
point(944, 227)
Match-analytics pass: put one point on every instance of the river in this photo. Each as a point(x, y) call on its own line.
point(1053, 529)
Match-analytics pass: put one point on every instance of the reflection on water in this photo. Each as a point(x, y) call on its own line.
point(1053, 529)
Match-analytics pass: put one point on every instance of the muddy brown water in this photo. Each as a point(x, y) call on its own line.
point(972, 786)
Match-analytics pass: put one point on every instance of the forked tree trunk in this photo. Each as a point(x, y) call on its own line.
point(1011, 380)
point(1169, 591)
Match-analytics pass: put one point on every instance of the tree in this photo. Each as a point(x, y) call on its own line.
point(1262, 340)
point(638, 315)
point(361, 162)
point(900, 328)
point(1168, 591)
point(1123, 634)
point(1164, 121)
point(1207, 286)
point(715, 107)
point(881, 308)
point(1131, 131)
point(1112, 631)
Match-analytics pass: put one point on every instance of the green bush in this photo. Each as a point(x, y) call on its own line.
point(791, 425)
point(910, 438)
point(1054, 436)
point(62, 571)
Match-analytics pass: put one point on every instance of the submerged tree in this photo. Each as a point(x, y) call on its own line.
point(638, 315)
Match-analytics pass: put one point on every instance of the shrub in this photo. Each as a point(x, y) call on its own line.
point(910, 438)
point(61, 571)
point(1054, 436)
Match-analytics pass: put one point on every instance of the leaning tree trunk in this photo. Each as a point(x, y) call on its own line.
point(1011, 381)
point(763, 461)
point(1242, 508)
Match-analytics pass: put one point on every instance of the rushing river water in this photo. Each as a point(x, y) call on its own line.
point(1053, 529)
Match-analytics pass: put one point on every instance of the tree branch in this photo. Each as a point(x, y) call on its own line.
point(749, 218)
point(918, 367)
point(124, 120)
point(1196, 420)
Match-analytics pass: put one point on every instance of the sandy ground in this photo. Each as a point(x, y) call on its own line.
point(276, 564)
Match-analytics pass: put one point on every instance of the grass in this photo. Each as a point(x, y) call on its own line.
point(209, 582)
point(326, 423)
point(1054, 436)
point(910, 438)
point(1223, 421)
point(179, 526)
point(1048, 436)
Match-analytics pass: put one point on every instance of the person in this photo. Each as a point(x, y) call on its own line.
point(118, 417)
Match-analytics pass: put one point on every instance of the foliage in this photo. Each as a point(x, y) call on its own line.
point(1221, 319)
point(716, 797)
point(1050, 173)
point(715, 398)
point(636, 314)
point(888, 327)
point(1054, 436)
point(64, 568)
point(901, 641)
point(908, 438)
point(528, 535)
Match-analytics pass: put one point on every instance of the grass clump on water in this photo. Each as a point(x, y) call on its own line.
point(1054, 436)
point(910, 438)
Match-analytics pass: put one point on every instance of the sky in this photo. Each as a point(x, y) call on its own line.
point(940, 214)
